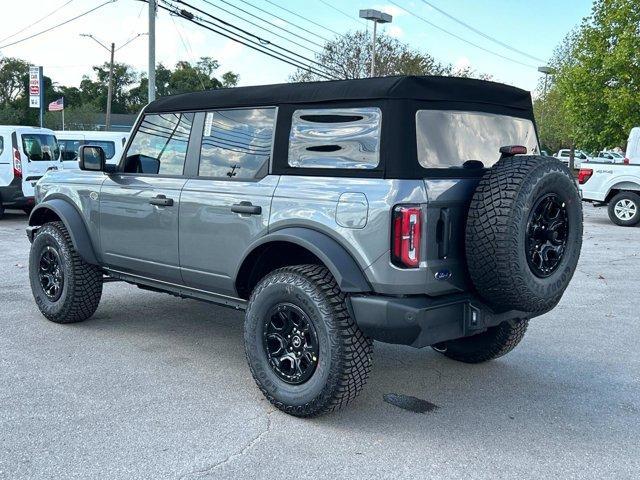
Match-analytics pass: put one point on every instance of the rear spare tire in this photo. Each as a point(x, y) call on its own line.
point(524, 233)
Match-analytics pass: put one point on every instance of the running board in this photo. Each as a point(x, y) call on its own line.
point(177, 290)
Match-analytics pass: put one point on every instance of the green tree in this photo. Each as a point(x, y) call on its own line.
point(598, 75)
point(349, 56)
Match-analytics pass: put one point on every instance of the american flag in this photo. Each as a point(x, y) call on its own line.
point(57, 105)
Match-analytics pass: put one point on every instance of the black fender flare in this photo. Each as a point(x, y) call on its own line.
point(343, 267)
point(72, 220)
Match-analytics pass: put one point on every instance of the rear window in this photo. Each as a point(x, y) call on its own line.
point(39, 146)
point(449, 138)
point(335, 138)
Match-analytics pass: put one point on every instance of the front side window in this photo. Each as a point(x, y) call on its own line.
point(236, 144)
point(159, 146)
point(450, 138)
point(335, 138)
point(40, 146)
point(108, 147)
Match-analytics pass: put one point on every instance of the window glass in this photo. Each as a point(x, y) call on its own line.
point(69, 149)
point(108, 147)
point(40, 146)
point(159, 146)
point(335, 138)
point(1, 145)
point(448, 138)
point(237, 143)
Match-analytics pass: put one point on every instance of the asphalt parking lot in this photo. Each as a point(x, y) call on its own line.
point(157, 387)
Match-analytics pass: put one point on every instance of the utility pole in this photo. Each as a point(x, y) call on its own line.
point(377, 17)
point(107, 122)
point(111, 51)
point(152, 51)
point(546, 71)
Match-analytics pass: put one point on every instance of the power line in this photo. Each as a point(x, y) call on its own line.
point(58, 25)
point(462, 38)
point(303, 17)
point(262, 42)
point(260, 39)
point(191, 18)
point(266, 29)
point(31, 24)
point(342, 12)
point(306, 30)
point(473, 29)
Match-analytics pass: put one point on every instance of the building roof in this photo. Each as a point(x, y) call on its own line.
point(425, 88)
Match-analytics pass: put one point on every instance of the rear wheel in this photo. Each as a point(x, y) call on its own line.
point(65, 287)
point(624, 209)
point(495, 342)
point(305, 352)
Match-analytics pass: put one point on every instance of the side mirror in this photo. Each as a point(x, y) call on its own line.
point(91, 158)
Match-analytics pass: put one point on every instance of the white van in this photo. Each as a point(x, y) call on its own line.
point(633, 146)
point(26, 153)
point(71, 140)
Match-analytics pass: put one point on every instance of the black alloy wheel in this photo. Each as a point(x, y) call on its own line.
point(291, 343)
point(547, 234)
point(51, 273)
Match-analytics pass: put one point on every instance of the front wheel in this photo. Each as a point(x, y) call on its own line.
point(305, 352)
point(65, 287)
point(624, 209)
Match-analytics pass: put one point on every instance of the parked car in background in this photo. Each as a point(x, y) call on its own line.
point(608, 157)
point(26, 153)
point(633, 146)
point(615, 185)
point(578, 157)
point(71, 140)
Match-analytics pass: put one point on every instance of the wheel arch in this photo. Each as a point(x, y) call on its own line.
point(298, 245)
point(58, 209)
point(626, 185)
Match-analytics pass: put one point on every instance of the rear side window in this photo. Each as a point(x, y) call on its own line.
point(69, 149)
point(1, 145)
point(159, 146)
point(335, 138)
point(449, 138)
point(108, 147)
point(39, 147)
point(236, 144)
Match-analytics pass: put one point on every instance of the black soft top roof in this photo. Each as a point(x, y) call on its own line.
point(423, 88)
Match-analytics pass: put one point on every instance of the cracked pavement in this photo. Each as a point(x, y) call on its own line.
point(158, 387)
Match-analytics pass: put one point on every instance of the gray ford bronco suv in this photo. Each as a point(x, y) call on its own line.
point(408, 210)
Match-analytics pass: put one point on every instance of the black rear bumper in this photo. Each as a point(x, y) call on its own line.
point(420, 321)
point(11, 196)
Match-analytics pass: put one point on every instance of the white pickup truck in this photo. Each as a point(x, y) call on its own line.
point(615, 185)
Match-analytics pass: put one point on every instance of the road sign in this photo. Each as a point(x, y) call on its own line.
point(35, 86)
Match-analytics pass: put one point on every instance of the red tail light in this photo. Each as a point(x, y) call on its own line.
point(584, 174)
point(405, 236)
point(626, 161)
point(17, 164)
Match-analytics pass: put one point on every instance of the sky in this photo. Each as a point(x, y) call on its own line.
point(535, 27)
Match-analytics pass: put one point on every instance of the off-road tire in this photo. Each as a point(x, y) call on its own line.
point(82, 286)
point(496, 233)
point(631, 196)
point(345, 353)
point(495, 342)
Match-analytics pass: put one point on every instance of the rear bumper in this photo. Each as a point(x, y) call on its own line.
point(11, 196)
point(420, 321)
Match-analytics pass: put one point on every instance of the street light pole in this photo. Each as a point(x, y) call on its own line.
point(151, 90)
point(377, 17)
point(546, 71)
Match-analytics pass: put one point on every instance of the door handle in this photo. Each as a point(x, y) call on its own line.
point(161, 201)
point(247, 208)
